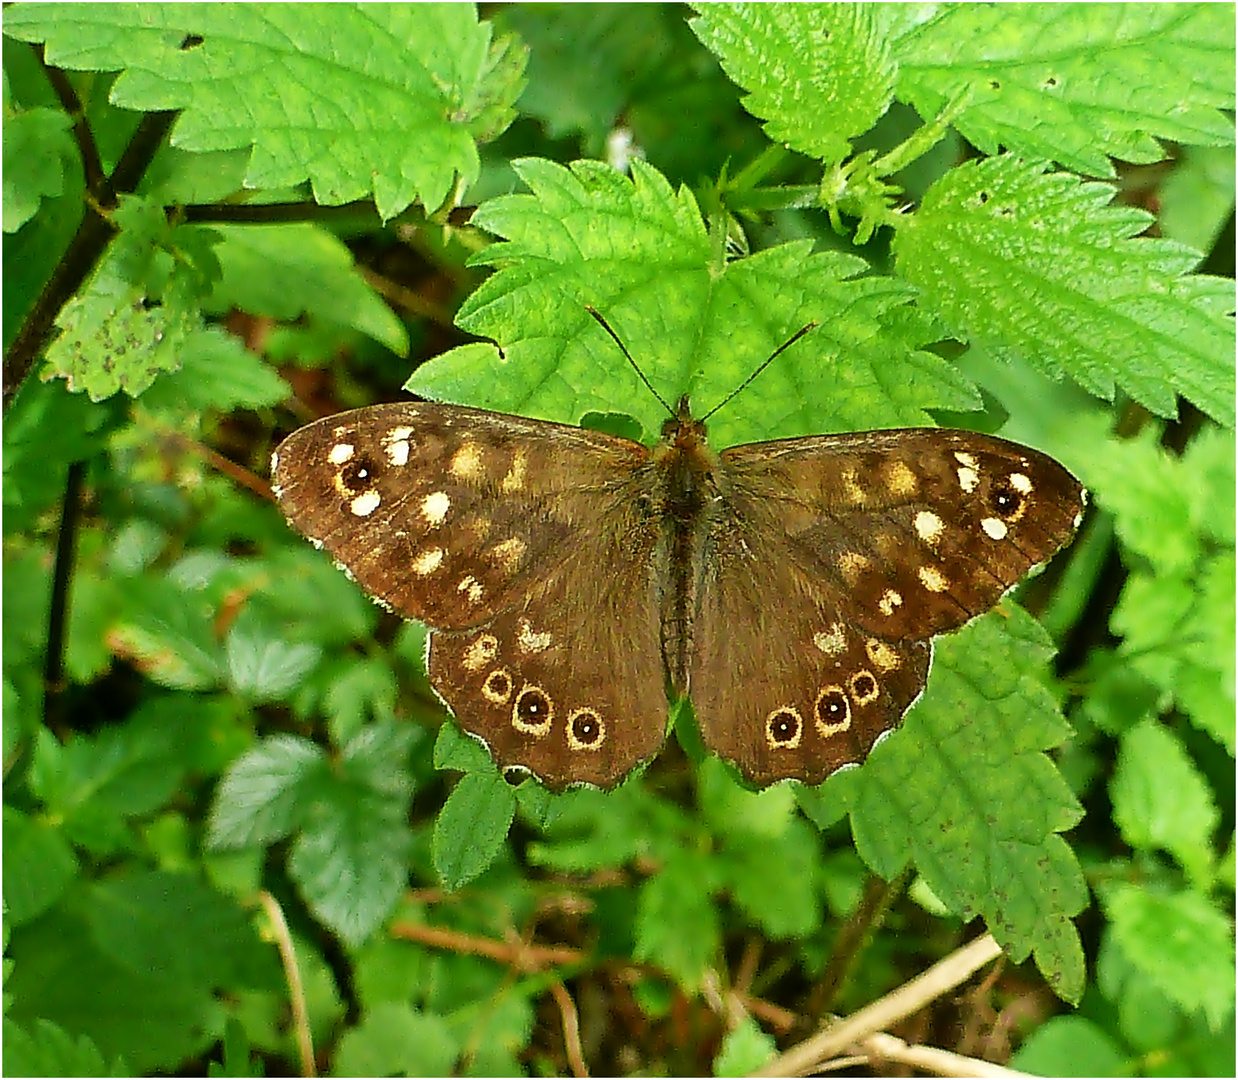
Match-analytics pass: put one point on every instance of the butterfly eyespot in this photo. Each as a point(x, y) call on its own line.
point(784, 729)
point(864, 688)
point(1009, 500)
point(498, 686)
point(586, 730)
point(833, 711)
point(533, 711)
point(358, 473)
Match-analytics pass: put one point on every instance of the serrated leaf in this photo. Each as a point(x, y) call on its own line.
point(216, 372)
point(677, 926)
point(1039, 266)
point(640, 254)
point(166, 633)
point(1160, 800)
point(37, 147)
point(357, 100)
point(38, 866)
point(965, 793)
point(285, 271)
point(1180, 943)
point(472, 826)
point(818, 74)
point(47, 1050)
point(262, 666)
point(394, 1039)
point(1076, 82)
point(266, 793)
point(178, 929)
point(454, 749)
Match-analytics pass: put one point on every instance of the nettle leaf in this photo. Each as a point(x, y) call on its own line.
point(965, 793)
point(48, 1050)
point(37, 147)
point(472, 826)
point(677, 925)
point(1038, 266)
point(1160, 799)
point(385, 101)
point(639, 252)
point(350, 860)
point(818, 74)
point(286, 271)
point(1077, 83)
point(216, 372)
point(1179, 942)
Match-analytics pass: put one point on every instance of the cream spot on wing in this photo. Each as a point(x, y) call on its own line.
point(852, 564)
point(900, 480)
point(832, 641)
point(531, 641)
point(882, 655)
point(1020, 483)
point(428, 561)
point(968, 477)
point(434, 508)
point(466, 462)
point(929, 526)
point(964, 458)
point(397, 443)
point(994, 528)
point(514, 480)
point(340, 453)
point(498, 686)
point(889, 601)
point(365, 504)
point(508, 553)
point(933, 579)
point(471, 587)
point(480, 652)
point(851, 488)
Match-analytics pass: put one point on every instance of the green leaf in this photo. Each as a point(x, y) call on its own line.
point(676, 921)
point(965, 793)
point(394, 1039)
point(1077, 83)
point(266, 793)
point(285, 271)
point(367, 101)
point(216, 372)
point(47, 1050)
point(744, 1050)
point(818, 74)
point(38, 866)
point(454, 749)
point(37, 148)
point(472, 826)
point(1070, 1046)
point(351, 859)
point(1039, 266)
point(1198, 196)
point(262, 666)
point(1160, 800)
point(167, 633)
point(1181, 943)
point(776, 879)
point(175, 928)
point(639, 253)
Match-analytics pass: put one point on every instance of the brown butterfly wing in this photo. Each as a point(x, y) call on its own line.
point(524, 544)
point(833, 562)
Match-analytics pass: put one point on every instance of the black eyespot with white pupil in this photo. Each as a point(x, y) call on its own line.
point(358, 473)
point(784, 727)
point(532, 707)
point(1005, 501)
point(586, 729)
point(832, 707)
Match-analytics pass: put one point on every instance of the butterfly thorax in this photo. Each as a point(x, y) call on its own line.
point(687, 479)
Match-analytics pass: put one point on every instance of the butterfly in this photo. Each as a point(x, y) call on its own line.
point(572, 578)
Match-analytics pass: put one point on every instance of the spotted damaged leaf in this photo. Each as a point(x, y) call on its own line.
point(792, 588)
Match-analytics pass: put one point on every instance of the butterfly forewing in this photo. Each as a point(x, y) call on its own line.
point(523, 542)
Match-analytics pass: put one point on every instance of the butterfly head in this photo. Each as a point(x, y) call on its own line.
point(681, 430)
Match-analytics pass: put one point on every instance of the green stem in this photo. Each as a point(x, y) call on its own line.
point(922, 141)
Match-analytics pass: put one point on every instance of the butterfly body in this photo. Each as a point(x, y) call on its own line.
point(792, 587)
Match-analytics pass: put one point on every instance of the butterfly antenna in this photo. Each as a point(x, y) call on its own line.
point(773, 356)
point(623, 349)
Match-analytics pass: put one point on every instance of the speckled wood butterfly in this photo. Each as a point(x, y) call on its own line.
point(791, 587)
